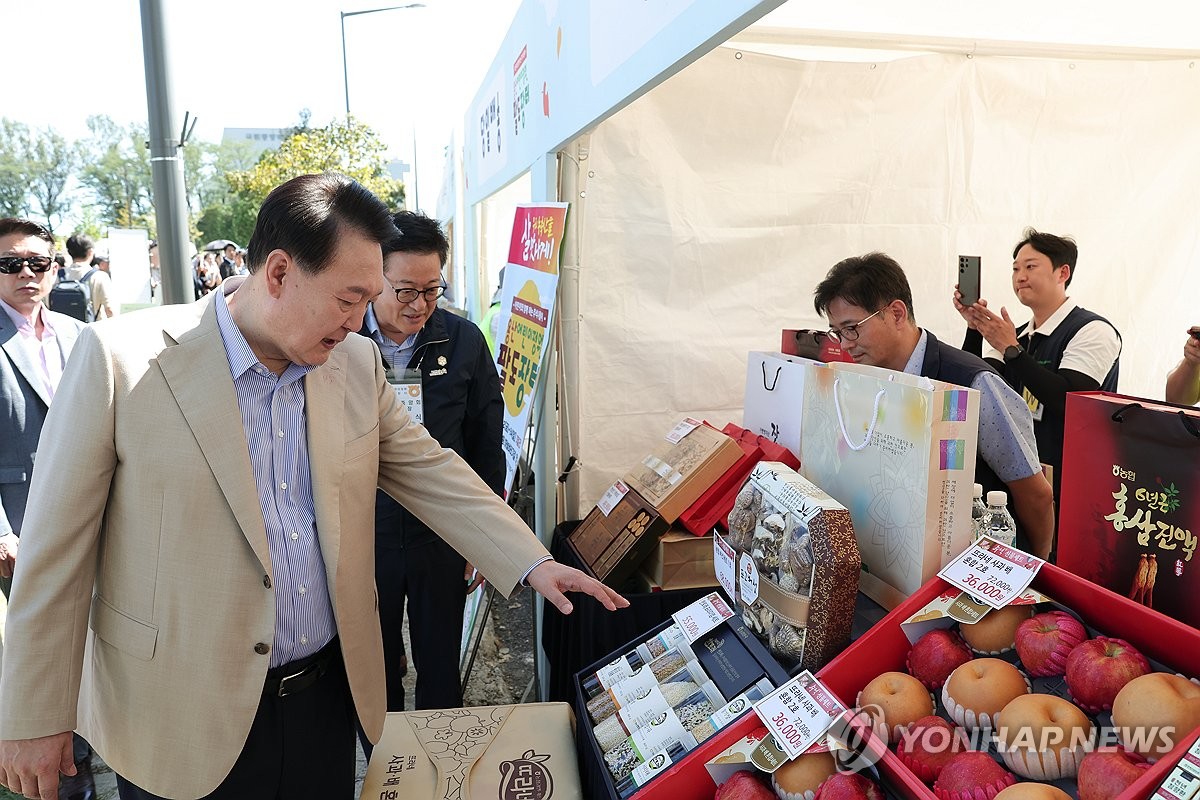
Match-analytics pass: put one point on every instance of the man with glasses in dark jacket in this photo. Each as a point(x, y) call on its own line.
point(442, 370)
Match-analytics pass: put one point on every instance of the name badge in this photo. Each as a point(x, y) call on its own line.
point(1035, 406)
point(408, 391)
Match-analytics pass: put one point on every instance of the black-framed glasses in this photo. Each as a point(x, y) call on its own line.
point(406, 296)
point(848, 333)
point(11, 265)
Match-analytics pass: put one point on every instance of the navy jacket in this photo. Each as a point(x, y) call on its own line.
point(463, 410)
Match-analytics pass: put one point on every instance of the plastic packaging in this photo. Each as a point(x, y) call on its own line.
point(1000, 524)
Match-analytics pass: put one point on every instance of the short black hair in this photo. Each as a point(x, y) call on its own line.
point(869, 281)
point(79, 245)
point(1059, 249)
point(418, 234)
point(306, 215)
point(10, 225)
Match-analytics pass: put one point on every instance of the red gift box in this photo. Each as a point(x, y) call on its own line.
point(713, 507)
point(884, 647)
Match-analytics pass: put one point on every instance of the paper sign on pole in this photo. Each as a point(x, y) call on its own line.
point(530, 287)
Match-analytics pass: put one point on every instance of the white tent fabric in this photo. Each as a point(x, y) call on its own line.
point(714, 204)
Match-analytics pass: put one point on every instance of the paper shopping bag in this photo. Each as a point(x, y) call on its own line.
point(1130, 483)
point(775, 396)
point(899, 452)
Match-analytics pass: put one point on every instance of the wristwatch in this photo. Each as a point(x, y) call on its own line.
point(1012, 351)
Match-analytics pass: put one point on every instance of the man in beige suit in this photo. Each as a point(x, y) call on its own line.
point(195, 587)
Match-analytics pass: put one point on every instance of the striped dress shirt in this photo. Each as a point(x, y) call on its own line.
point(272, 411)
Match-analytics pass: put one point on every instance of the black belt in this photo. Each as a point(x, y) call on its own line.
point(302, 673)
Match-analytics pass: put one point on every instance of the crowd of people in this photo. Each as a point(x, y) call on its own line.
point(218, 607)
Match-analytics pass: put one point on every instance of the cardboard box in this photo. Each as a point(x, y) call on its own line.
point(799, 565)
point(681, 561)
point(884, 647)
point(713, 507)
point(507, 752)
point(675, 475)
point(611, 547)
point(735, 660)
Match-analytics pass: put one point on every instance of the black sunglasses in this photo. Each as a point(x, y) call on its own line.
point(11, 265)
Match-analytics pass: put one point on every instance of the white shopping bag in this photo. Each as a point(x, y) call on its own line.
point(775, 396)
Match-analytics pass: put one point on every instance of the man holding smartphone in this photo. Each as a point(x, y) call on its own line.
point(1064, 348)
point(1183, 382)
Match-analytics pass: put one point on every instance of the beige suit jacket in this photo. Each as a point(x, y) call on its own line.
point(141, 589)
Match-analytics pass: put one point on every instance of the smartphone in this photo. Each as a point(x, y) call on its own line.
point(968, 279)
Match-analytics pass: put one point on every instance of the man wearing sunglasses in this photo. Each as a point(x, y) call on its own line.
point(35, 343)
point(443, 360)
point(869, 305)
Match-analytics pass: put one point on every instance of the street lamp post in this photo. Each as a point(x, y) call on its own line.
point(344, 14)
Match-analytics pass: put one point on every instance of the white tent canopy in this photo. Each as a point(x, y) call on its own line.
point(707, 210)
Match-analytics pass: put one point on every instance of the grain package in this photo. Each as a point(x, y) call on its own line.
point(798, 565)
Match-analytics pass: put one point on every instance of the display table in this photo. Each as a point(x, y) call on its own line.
point(572, 642)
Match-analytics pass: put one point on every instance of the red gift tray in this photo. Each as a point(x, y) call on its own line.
point(713, 507)
point(884, 647)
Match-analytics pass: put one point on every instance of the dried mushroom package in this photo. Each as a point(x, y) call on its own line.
point(798, 565)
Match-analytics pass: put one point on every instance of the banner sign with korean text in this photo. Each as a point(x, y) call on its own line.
point(530, 288)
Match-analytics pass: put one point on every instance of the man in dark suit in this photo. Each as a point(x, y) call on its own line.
point(35, 343)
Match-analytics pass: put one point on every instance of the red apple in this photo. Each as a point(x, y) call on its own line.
point(1099, 668)
point(744, 785)
point(848, 786)
point(935, 655)
point(972, 776)
point(928, 745)
point(1044, 641)
point(1108, 771)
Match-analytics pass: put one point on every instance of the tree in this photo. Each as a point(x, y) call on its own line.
point(347, 147)
point(52, 161)
point(14, 168)
point(118, 172)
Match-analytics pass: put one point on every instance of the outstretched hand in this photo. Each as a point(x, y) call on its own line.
point(551, 580)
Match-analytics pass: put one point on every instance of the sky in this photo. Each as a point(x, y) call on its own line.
point(257, 63)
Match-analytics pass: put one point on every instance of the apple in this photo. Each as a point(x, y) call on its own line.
point(1044, 641)
point(1099, 668)
point(744, 785)
point(972, 775)
point(848, 786)
point(1155, 712)
point(928, 745)
point(935, 655)
point(1106, 772)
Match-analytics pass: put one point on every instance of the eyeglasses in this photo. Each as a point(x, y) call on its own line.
point(406, 296)
point(11, 265)
point(848, 333)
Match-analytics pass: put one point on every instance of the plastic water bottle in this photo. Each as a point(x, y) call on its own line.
point(1000, 524)
point(978, 510)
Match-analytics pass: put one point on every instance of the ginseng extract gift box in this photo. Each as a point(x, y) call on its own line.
point(732, 658)
point(798, 565)
point(524, 752)
point(676, 474)
point(884, 648)
point(611, 546)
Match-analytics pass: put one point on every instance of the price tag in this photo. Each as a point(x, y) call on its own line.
point(682, 429)
point(702, 616)
point(991, 572)
point(748, 578)
point(799, 713)
point(725, 563)
point(613, 496)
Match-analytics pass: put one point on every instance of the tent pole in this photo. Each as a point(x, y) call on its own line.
point(544, 188)
point(570, 165)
